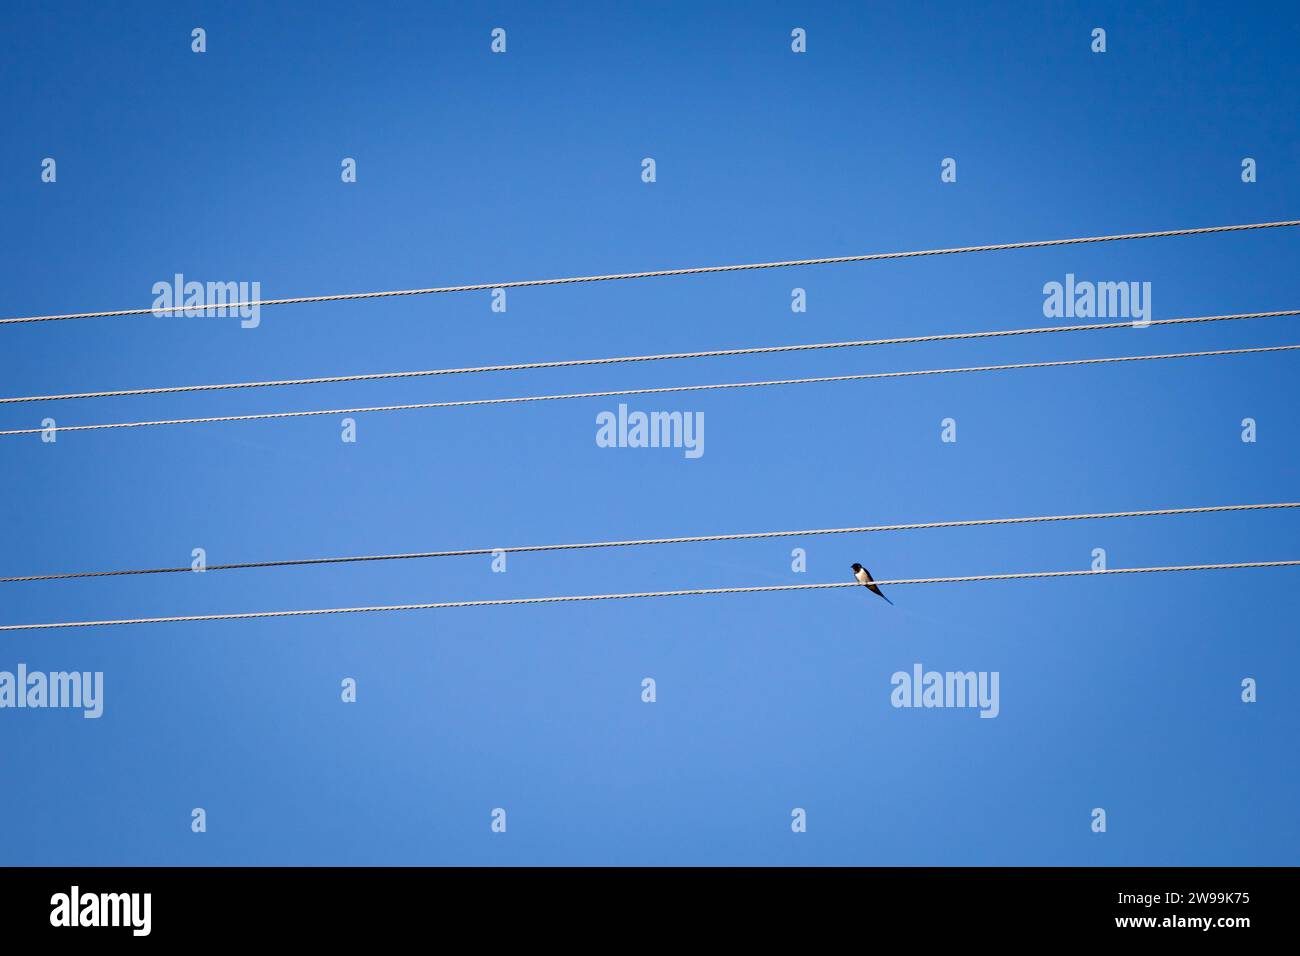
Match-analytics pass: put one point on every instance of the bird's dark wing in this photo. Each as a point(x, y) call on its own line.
point(872, 587)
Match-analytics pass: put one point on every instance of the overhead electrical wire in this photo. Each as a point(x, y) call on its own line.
point(623, 359)
point(498, 602)
point(660, 273)
point(638, 542)
point(465, 403)
point(648, 391)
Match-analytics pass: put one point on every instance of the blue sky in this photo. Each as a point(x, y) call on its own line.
point(1118, 692)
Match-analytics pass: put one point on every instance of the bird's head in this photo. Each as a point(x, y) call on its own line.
point(857, 567)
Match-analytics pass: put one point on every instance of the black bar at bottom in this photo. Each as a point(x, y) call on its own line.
point(369, 904)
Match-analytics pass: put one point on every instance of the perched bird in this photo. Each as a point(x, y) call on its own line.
point(864, 578)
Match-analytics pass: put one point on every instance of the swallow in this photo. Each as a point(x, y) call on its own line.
point(864, 578)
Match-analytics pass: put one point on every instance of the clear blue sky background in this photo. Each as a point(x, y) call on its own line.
point(1118, 692)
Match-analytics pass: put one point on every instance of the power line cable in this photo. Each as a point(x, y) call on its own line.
point(265, 416)
point(638, 542)
point(661, 273)
point(713, 353)
point(1024, 575)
